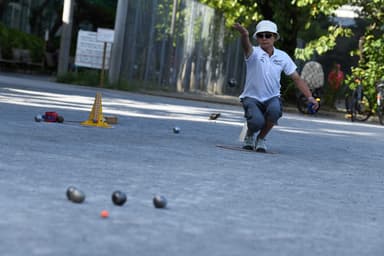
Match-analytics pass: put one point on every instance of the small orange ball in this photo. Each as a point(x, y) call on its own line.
point(104, 214)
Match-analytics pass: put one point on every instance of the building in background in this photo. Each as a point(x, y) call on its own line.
point(345, 15)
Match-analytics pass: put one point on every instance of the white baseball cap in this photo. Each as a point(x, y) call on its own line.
point(266, 26)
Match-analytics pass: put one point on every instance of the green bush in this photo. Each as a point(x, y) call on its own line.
point(12, 38)
point(87, 77)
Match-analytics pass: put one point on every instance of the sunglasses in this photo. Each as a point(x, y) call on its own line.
point(264, 35)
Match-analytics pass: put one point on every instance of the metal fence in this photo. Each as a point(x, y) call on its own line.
point(184, 48)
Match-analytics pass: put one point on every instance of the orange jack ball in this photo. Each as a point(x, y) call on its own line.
point(104, 214)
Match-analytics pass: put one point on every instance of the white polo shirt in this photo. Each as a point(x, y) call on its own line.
point(264, 73)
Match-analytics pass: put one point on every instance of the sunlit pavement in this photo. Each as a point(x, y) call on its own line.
point(321, 193)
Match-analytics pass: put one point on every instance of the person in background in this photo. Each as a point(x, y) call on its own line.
point(335, 77)
point(335, 81)
point(261, 94)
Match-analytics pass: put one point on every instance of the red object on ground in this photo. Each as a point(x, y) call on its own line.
point(50, 116)
point(104, 214)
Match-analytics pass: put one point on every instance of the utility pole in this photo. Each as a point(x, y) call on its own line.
point(66, 33)
point(118, 42)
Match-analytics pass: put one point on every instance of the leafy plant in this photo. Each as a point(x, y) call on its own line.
point(370, 68)
point(322, 44)
point(12, 38)
point(87, 77)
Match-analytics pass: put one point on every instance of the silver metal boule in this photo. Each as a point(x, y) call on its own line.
point(159, 201)
point(70, 191)
point(176, 129)
point(77, 196)
point(38, 118)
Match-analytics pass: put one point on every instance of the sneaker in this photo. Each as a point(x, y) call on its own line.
point(249, 143)
point(260, 145)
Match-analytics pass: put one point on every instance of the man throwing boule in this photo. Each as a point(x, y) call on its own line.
point(261, 95)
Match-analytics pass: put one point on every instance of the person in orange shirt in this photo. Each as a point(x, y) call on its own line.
point(335, 80)
point(336, 77)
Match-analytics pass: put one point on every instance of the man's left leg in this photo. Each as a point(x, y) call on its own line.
point(272, 114)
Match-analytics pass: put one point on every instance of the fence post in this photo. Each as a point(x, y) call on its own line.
point(65, 43)
point(118, 42)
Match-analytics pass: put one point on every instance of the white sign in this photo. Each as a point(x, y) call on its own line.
point(89, 51)
point(105, 35)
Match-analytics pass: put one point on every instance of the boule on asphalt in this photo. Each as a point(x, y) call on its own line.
point(60, 119)
point(119, 198)
point(214, 116)
point(159, 201)
point(70, 191)
point(38, 118)
point(176, 129)
point(77, 196)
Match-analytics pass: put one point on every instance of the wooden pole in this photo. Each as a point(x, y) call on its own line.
point(101, 84)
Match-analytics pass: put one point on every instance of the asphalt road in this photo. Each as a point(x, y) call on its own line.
point(322, 193)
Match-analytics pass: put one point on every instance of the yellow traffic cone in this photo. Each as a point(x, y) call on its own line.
point(96, 117)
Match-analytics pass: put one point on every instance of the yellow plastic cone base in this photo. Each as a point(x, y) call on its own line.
point(96, 117)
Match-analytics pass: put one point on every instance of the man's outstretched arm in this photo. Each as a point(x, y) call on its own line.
point(244, 36)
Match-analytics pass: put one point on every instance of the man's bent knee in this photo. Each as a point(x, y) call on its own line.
point(274, 110)
point(255, 124)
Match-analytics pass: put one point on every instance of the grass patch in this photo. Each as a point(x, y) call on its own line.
point(85, 77)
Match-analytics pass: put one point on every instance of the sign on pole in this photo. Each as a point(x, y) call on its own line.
point(105, 35)
point(90, 51)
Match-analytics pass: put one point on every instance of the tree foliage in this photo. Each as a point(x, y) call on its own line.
point(295, 17)
point(292, 17)
point(370, 68)
point(47, 15)
point(322, 44)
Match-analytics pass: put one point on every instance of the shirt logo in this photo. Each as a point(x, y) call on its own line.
point(277, 62)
